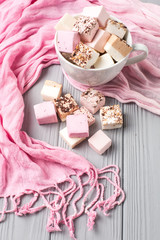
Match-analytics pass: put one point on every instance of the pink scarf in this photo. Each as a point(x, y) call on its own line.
point(30, 166)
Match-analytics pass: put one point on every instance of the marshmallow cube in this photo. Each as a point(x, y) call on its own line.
point(92, 99)
point(111, 117)
point(67, 41)
point(72, 142)
point(117, 48)
point(77, 126)
point(99, 142)
point(51, 90)
point(104, 61)
point(99, 40)
point(97, 12)
point(84, 56)
point(116, 28)
point(83, 110)
point(45, 113)
point(65, 23)
point(65, 106)
point(87, 28)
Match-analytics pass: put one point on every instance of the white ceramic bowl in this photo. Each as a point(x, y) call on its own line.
point(95, 77)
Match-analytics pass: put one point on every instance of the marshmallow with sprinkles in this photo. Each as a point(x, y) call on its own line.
point(87, 28)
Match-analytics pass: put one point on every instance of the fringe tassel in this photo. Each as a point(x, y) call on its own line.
point(63, 199)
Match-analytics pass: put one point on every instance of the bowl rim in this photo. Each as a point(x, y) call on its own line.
point(93, 69)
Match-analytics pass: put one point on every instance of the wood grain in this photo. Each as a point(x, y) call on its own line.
point(135, 149)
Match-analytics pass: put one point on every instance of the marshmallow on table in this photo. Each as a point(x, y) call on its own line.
point(104, 61)
point(67, 41)
point(116, 28)
point(87, 28)
point(97, 12)
point(83, 110)
point(77, 126)
point(45, 113)
point(111, 117)
point(51, 90)
point(117, 48)
point(92, 99)
point(84, 56)
point(99, 41)
point(99, 142)
point(72, 142)
point(65, 23)
point(65, 105)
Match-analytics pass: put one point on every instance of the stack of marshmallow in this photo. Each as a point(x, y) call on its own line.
point(93, 39)
point(78, 119)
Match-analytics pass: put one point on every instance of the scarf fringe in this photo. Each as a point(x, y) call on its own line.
point(61, 199)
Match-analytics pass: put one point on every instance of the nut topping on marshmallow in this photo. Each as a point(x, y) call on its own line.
point(84, 56)
point(92, 100)
point(117, 48)
point(117, 28)
point(87, 28)
point(111, 117)
point(65, 106)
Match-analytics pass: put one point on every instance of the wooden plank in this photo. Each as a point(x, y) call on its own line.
point(141, 150)
point(106, 226)
point(137, 154)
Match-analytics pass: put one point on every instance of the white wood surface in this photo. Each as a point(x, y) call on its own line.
point(135, 149)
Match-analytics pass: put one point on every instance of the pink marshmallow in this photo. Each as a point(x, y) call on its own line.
point(92, 99)
point(99, 142)
point(45, 113)
point(99, 40)
point(83, 110)
point(67, 41)
point(87, 28)
point(77, 126)
point(97, 12)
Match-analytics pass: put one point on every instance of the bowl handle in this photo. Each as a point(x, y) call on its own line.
point(140, 57)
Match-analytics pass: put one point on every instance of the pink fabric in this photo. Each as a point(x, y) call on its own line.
point(29, 166)
point(139, 83)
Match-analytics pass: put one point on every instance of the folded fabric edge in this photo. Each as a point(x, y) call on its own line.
point(62, 199)
point(129, 96)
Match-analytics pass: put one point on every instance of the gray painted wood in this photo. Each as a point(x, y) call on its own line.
point(135, 149)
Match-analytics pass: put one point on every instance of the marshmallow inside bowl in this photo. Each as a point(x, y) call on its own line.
point(96, 73)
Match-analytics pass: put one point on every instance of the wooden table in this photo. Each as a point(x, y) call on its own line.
point(135, 149)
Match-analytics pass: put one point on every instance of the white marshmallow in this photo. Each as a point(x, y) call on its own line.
point(97, 12)
point(72, 142)
point(104, 61)
point(113, 52)
point(117, 28)
point(84, 56)
point(65, 23)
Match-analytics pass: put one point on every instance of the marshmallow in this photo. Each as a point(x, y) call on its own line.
point(83, 110)
point(117, 48)
point(65, 106)
point(67, 41)
point(116, 28)
point(65, 23)
point(104, 61)
point(87, 28)
point(97, 12)
point(111, 117)
point(99, 41)
point(77, 126)
point(84, 56)
point(99, 142)
point(66, 55)
point(92, 100)
point(45, 113)
point(72, 142)
point(51, 90)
